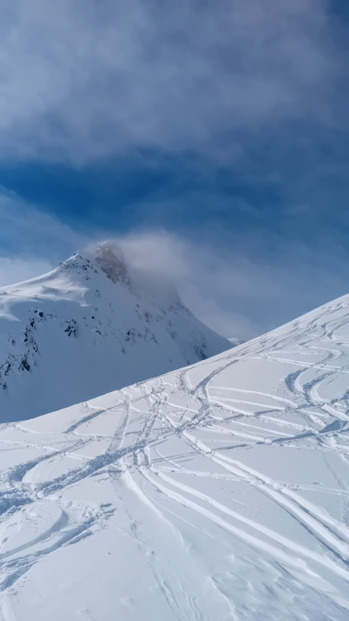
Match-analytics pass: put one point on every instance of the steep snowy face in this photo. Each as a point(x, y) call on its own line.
point(216, 492)
point(90, 326)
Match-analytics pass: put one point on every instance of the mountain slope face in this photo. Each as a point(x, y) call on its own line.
point(219, 491)
point(88, 327)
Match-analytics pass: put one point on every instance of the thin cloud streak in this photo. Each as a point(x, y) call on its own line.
point(27, 231)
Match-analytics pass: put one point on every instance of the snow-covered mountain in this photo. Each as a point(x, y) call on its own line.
point(216, 492)
point(90, 326)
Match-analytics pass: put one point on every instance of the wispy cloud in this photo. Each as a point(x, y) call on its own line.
point(238, 291)
point(28, 232)
point(83, 79)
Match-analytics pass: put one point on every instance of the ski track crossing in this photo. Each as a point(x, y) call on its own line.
point(218, 491)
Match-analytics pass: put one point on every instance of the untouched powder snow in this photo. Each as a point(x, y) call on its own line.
point(214, 493)
point(90, 326)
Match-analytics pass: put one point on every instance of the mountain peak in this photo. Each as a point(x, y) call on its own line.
point(97, 323)
point(110, 258)
point(105, 255)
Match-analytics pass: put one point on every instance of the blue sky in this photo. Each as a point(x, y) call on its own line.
point(213, 137)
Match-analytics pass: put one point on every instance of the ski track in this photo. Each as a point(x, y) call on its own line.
point(179, 447)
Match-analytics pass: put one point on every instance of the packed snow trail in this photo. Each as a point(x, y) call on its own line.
point(216, 492)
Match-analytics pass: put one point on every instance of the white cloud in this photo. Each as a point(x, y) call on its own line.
point(237, 292)
point(82, 79)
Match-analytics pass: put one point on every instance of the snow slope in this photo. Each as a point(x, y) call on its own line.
point(90, 326)
point(217, 492)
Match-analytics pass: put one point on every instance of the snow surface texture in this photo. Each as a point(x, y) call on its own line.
point(88, 327)
point(217, 492)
